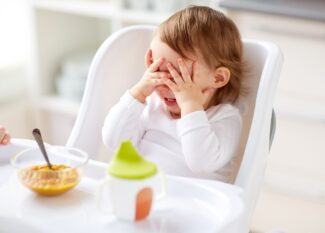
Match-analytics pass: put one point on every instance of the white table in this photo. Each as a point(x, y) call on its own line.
point(191, 205)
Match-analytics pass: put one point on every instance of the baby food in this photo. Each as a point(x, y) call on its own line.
point(45, 181)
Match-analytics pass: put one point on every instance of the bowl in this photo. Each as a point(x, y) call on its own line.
point(66, 173)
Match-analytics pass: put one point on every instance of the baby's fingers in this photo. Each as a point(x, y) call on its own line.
point(170, 84)
point(157, 75)
point(155, 65)
point(184, 71)
point(173, 72)
point(6, 140)
point(4, 136)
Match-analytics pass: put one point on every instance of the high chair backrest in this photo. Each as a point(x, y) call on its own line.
point(119, 63)
point(263, 62)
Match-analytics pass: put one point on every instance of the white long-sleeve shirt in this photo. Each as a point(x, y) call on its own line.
point(201, 144)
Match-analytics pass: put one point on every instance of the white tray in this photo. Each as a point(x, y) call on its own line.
point(191, 205)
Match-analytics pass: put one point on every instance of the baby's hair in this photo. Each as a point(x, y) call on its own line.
point(202, 30)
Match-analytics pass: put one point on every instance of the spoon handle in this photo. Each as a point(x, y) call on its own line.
point(39, 140)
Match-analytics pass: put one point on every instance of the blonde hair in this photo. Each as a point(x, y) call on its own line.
point(203, 30)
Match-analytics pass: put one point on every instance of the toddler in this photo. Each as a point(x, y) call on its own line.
point(4, 136)
point(180, 114)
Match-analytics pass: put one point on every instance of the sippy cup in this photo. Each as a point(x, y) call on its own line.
point(131, 185)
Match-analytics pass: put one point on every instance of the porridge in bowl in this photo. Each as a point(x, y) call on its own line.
point(49, 182)
point(65, 173)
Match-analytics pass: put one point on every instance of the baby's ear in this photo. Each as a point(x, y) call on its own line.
point(148, 58)
point(221, 76)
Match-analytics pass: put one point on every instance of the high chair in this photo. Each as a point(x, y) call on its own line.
point(119, 63)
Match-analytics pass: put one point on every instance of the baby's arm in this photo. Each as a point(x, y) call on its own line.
point(123, 122)
point(4, 136)
point(208, 146)
point(124, 119)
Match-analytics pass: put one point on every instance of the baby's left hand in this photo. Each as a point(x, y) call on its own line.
point(188, 94)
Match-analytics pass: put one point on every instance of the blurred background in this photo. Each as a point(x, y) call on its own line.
point(46, 47)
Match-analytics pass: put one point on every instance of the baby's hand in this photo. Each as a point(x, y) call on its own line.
point(150, 80)
point(188, 94)
point(4, 136)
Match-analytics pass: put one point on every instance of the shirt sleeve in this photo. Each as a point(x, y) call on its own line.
point(123, 122)
point(209, 145)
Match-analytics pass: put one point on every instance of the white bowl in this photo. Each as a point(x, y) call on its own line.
point(34, 173)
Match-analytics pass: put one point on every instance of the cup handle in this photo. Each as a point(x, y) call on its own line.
point(100, 193)
point(163, 186)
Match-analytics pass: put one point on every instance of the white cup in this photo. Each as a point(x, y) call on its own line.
point(130, 199)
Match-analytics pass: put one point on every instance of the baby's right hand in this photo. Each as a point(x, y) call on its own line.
point(150, 80)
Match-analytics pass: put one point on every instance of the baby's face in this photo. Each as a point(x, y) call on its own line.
point(204, 76)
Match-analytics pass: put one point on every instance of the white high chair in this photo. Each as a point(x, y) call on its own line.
point(119, 63)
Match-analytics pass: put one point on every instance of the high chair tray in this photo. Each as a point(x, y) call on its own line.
point(190, 205)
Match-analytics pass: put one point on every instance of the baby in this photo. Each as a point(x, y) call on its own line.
point(180, 114)
point(4, 136)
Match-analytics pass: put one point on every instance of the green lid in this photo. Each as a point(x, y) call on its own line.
point(128, 164)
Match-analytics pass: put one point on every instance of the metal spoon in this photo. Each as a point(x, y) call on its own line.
point(39, 140)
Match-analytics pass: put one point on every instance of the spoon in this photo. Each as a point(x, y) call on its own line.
point(39, 140)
